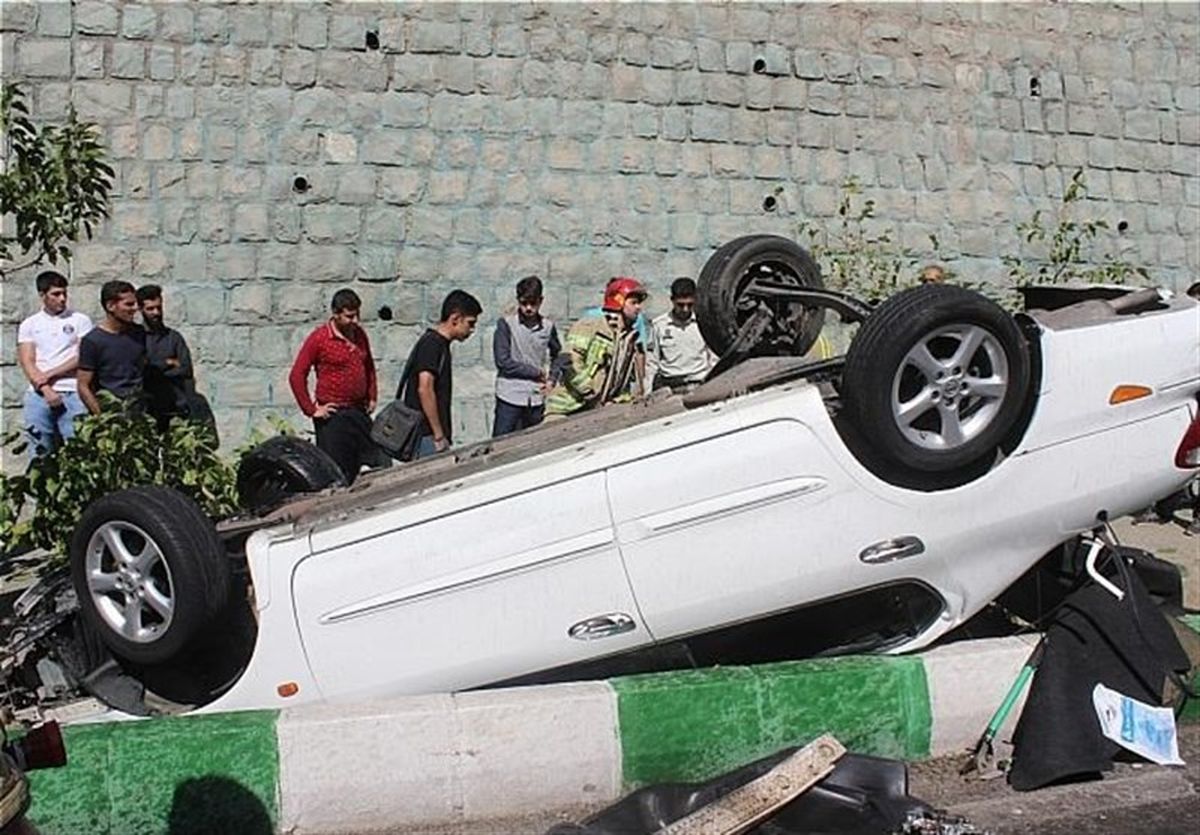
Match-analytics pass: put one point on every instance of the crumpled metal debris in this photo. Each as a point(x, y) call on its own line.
point(937, 823)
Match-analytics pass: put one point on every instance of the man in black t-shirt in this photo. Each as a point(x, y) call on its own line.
point(427, 383)
point(112, 355)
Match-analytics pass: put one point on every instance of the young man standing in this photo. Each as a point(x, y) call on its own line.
point(169, 379)
point(525, 345)
point(48, 351)
point(427, 384)
point(677, 357)
point(607, 358)
point(112, 357)
point(345, 393)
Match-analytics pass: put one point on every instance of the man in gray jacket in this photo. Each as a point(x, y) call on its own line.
point(524, 347)
point(169, 378)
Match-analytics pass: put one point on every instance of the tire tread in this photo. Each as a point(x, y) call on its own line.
point(196, 559)
point(912, 311)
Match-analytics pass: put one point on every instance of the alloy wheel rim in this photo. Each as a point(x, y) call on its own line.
point(950, 387)
point(129, 582)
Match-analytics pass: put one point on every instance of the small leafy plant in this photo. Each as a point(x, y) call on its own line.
point(853, 258)
point(871, 265)
point(1069, 246)
point(115, 449)
point(55, 182)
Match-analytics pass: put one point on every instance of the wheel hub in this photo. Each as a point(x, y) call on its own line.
point(129, 582)
point(765, 284)
point(949, 387)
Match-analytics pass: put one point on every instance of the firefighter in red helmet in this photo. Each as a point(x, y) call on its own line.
point(607, 361)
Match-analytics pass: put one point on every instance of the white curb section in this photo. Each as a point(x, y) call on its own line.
point(967, 681)
point(447, 759)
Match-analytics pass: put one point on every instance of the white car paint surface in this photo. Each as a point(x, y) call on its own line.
point(710, 516)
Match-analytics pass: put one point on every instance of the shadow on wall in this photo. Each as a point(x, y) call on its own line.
point(217, 806)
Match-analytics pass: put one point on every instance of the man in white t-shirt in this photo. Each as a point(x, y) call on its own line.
point(48, 350)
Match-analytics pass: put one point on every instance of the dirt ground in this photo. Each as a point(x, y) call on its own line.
point(1134, 798)
point(1169, 542)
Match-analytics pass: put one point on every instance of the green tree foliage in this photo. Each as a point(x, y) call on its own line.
point(110, 451)
point(55, 182)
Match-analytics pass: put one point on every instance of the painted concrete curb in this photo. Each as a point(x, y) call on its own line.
point(449, 760)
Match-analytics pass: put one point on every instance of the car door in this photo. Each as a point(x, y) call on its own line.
point(439, 600)
point(750, 522)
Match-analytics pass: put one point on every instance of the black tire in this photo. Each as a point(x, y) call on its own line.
point(283, 467)
point(722, 308)
point(953, 423)
point(184, 564)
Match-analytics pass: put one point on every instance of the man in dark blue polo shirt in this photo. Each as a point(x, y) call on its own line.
point(112, 356)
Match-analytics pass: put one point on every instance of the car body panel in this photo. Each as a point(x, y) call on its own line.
point(705, 542)
point(467, 596)
point(1082, 366)
point(278, 658)
point(694, 520)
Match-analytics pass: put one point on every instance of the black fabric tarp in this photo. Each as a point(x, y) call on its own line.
point(1126, 645)
point(866, 795)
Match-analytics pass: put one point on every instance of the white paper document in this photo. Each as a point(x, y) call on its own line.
point(1136, 726)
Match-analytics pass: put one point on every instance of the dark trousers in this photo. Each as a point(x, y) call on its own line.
point(345, 436)
point(510, 418)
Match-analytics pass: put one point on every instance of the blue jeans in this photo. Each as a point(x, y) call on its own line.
point(425, 448)
point(510, 418)
point(46, 427)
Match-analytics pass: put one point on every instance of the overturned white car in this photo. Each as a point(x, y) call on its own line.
point(871, 502)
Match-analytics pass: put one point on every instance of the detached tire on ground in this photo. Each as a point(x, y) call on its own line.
point(936, 382)
point(150, 572)
point(283, 467)
point(725, 299)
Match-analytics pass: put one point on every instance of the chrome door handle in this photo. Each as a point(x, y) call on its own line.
point(890, 550)
point(602, 626)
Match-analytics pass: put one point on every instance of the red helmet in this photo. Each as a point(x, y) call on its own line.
point(620, 288)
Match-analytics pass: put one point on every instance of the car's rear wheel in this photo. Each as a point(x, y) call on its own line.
point(149, 571)
point(936, 380)
point(283, 467)
point(735, 283)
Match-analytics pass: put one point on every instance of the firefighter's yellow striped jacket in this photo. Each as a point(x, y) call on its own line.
point(592, 345)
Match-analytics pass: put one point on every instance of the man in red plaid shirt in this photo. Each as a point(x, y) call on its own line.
point(346, 391)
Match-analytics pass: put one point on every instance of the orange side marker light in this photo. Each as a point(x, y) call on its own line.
point(1125, 393)
point(287, 689)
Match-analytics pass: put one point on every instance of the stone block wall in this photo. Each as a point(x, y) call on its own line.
point(270, 153)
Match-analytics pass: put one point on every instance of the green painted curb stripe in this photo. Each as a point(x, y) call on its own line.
point(193, 774)
point(695, 724)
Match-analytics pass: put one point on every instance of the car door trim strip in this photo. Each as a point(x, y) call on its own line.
point(740, 501)
point(561, 551)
